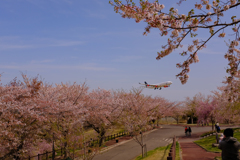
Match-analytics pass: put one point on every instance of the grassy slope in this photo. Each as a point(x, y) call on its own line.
point(207, 142)
point(160, 153)
point(177, 151)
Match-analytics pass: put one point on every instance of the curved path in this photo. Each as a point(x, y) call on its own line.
point(157, 138)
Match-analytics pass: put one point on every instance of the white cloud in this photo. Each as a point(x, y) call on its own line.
point(42, 67)
point(15, 43)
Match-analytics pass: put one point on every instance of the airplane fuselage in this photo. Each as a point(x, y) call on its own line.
point(158, 85)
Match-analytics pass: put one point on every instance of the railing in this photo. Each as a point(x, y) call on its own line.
point(59, 152)
point(172, 153)
point(90, 143)
point(45, 156)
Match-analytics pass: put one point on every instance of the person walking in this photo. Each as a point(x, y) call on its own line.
point(229, 146)
point(189, 131)
point(186, 130)
point(217, 127)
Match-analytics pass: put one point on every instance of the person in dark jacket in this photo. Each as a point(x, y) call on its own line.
point(216, 127)
point(189, 130)
point(229, 146)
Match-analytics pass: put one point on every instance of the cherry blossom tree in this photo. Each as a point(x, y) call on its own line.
point(191, 104)
point(206, 15)
point(232, 89)
point(177, 111)
point(136, 115)
point(160, 108)
point(32, 112)
point(65, 103)
point(21, 116)
point(217, 108)
point(208, 110)
point(228, 110)
point(103, 108)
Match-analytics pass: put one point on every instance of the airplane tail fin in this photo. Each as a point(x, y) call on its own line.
point(146, 83)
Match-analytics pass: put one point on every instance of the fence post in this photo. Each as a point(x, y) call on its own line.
point(29, 158)
point(172, 152)
point(38, 157)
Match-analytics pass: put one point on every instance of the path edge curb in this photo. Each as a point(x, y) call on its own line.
point(115, 145)
point(205, 148)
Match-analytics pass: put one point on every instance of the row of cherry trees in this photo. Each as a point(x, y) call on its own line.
point(215, 107)
point(33, 114)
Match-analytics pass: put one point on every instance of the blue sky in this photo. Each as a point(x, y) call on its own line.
point(79, 40)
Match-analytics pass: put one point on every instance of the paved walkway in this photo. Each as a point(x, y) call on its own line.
point(191, 151)
point(159, 137)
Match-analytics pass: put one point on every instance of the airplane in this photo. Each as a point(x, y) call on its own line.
point(157, 85)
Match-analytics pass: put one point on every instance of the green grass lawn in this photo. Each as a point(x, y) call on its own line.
point(160, 153)
point(177, 151)
point(208, 141)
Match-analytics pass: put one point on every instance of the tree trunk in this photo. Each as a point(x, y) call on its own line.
point(191, 119)
point(101, 136)
point(212, 125)
point(142, 145)
point(18, 148)
point(65, 146)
